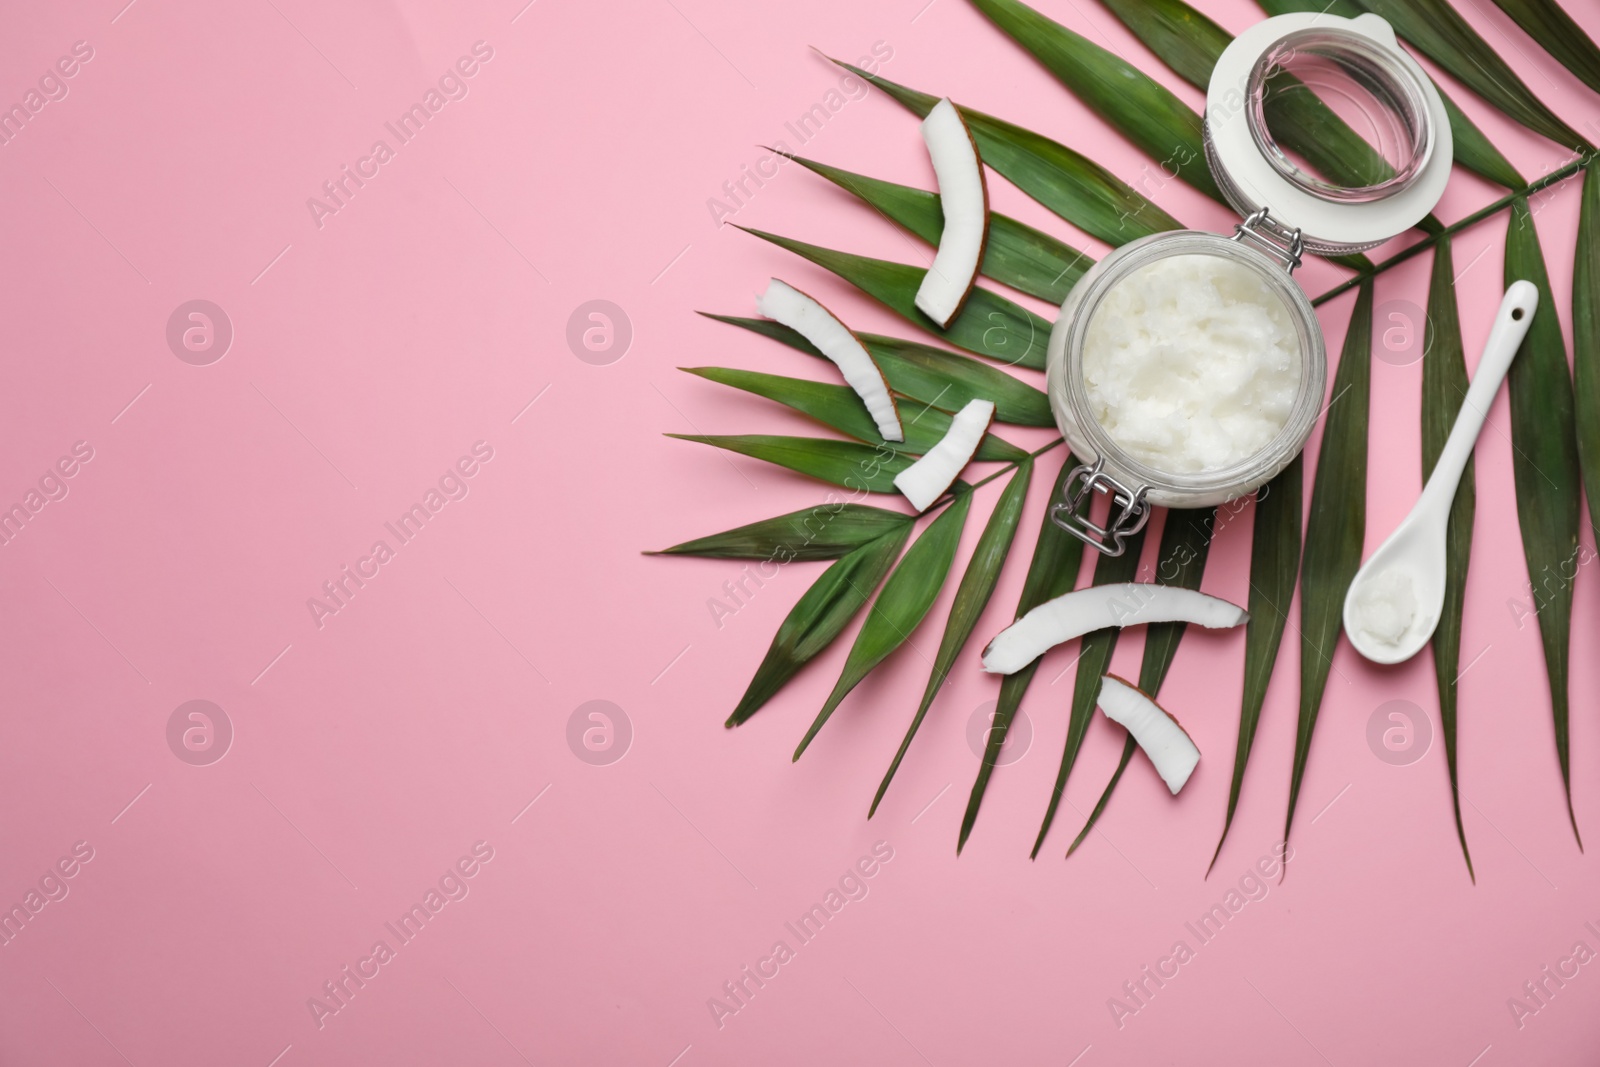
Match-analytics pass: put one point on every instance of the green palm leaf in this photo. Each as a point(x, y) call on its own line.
point(826, 531)
point(1274, 568)
point(1138, 106)
point(1444, 387)
point(1335, 529)
point(1180, 36)
point(839, 407)
point(1564, 39)
point(1094, 658)
point(1052, 571)
point(1472, 148)
point(1474, 151)
point(1066, 182)
point(1441, 34)
point(819, 617)
point(857, 467)
point(1181, 561)
point(931, 376)
point(1544, 466)
point(899, 609)
point(972, 596)
point(989, 325)
point(1586, 339)
point(1015, 254)
point(1129, 746)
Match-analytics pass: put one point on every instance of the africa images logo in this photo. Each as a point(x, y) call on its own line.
point(452, 886)
point(337, 192)
point(853, 885)
point(453, 484)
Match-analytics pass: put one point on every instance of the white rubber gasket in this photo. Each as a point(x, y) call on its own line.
point(1325, 224)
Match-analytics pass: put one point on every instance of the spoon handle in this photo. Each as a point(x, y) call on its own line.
point(1505, 338)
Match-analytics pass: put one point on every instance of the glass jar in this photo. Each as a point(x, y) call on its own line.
point(1273, 75)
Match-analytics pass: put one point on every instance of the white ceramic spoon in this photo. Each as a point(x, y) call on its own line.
point(1416, 549)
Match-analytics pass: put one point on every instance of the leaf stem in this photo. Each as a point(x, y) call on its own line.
point(1009, 467)
point(1558, 175)
point(981, 482)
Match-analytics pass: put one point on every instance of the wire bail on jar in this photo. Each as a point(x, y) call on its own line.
point(1265, 233)
point(1127, 516)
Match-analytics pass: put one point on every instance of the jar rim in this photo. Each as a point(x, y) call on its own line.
point(1096, 443)
point(1393, 85)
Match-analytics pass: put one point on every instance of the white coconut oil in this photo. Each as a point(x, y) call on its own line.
point(1192, 364)
point(1386, 606)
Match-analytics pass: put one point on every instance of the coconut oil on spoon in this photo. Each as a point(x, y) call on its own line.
point(1393, 605)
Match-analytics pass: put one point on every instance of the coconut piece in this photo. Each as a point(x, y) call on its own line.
point(1169, 747)
point(964, 198)
point(833, 339)
point(927, 479)
point(1100, 607)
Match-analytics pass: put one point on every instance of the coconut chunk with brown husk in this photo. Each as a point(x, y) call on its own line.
point(1171, 750)
point(964, 199)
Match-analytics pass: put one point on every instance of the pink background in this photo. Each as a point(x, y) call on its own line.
point(371, 753)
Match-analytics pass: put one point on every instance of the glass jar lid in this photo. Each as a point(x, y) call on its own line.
point(1327, 127)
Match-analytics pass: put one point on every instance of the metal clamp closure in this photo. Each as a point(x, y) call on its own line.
point(1285, 246)
point(1129, 510)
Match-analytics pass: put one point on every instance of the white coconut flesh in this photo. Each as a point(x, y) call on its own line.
point(964, 198)
point(927, 479)
point(1100, 607)
point(788, 305)
point(1170, 749)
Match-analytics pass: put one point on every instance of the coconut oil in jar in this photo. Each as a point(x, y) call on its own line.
point(1192, 364)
